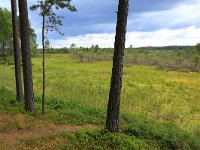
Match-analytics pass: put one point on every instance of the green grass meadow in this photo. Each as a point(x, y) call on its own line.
point(77, 93)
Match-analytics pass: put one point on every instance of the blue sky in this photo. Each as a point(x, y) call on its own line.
point(150, 23)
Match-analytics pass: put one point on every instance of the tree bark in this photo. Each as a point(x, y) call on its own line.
point(19, 90)
point(26, 57)
point(43, 63)
point(3, 52)
point(112, 121)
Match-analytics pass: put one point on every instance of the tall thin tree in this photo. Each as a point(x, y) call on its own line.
point(112, 121)
point(26, 57)
point(50, 22)
point(19, 91)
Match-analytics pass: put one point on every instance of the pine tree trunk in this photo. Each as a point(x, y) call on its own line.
point(26, 57)
point(19, 91)
point(4, 52)
point(112, 121)
point(43, 63)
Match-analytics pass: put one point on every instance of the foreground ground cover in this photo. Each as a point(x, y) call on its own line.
point(78, 126)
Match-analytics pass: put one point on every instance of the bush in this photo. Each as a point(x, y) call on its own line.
point(101, 140)
point(166, 135)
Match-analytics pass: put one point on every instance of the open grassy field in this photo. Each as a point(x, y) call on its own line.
point(78, 94)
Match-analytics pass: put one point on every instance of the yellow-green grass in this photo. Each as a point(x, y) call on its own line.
point(171, 96)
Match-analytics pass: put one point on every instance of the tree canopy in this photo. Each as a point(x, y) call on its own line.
point(5, 25)
point(6, 30)
point(198, 47)
point(52, 21)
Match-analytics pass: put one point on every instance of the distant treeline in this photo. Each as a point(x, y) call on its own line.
point(166, 48)
point(169, 58)
point(96, 48)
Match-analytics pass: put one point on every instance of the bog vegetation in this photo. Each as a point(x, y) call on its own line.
point(168, 58)
point(159, 108)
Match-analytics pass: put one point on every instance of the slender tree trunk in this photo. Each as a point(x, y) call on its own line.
point(112, 121)
point(4, 52)
point(26, 57)
point(43, 63)
point(1, 51)
point(19, 91)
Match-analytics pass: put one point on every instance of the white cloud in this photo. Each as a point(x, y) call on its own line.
point(184, 19)
point(162, 37)
point(103, 40)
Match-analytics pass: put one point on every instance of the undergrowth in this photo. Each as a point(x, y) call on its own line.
point(137, 131)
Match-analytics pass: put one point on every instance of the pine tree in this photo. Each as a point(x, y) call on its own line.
point(19, 92)
point(112, 121)
point(26, 57)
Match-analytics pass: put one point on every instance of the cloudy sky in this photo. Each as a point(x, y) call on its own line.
point(150, 23)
